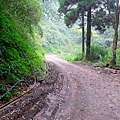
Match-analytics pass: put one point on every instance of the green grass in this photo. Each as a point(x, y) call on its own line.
point(73, 56)
point(108, 56)
point(98, 55)
point(118, 57)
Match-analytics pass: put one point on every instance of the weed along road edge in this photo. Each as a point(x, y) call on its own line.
point(86, 94)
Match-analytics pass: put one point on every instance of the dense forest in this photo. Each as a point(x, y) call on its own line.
point(99, 14)
point(101, 36)
point(84, 30)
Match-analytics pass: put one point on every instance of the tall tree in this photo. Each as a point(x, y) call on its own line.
point(108, 15)
point(72, 15)
point(115, 40)
point(88, 41)
point(73, 9)
point(83, 32)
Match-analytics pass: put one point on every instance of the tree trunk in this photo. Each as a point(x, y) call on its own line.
point(83, 33)
point(88, 41)
point(115, 40)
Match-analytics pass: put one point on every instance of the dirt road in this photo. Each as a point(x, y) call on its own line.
point(87, 94)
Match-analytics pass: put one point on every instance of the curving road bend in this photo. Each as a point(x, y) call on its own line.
point(86, 94)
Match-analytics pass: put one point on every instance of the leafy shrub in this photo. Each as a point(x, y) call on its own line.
point(73, 56)
point(118, 57)
point(7, 96)
point(78, 57)
point(107, 57)
point(2, 89)
point(97, 53)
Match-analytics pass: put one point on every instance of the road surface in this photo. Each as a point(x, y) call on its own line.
point(86, 94)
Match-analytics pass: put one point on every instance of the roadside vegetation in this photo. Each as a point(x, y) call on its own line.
point(30, 29)
point(98, 44)
point(101, 49)
point(21, 53)
point(101, 19)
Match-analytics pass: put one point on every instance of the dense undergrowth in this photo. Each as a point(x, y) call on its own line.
point(98, 55)
point(21, 54)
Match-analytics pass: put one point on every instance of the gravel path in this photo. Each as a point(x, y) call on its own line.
point(87, 94)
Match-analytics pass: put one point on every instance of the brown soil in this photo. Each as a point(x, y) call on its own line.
point(35, 100)
point(72, 92)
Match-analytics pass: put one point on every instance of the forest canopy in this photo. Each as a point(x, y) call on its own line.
point(100, 14)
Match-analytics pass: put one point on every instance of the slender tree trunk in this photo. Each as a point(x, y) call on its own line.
point(108, 6)
point(88, 41)
point(115, 40)
point(83, 33)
